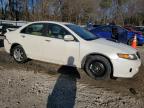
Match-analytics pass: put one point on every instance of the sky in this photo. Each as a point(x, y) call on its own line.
point(6, 2)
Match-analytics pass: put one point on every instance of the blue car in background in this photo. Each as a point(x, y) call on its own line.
point(115, 32)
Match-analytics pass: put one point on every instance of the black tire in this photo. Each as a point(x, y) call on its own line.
point(22, 57)
point(98, 67)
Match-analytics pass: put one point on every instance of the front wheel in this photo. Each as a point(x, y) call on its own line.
point(19, 55)
point(98, 67)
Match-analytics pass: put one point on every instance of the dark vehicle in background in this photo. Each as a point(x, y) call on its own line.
point(3, 29)
point(133, 29)
point(10, 27)
point(140, 29)
point(117, 33)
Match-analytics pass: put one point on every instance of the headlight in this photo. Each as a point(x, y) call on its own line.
point(128, 56)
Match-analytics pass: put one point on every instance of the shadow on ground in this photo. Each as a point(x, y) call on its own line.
point(64, 91)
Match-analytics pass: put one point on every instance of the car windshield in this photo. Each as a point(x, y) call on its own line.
point(86, 35)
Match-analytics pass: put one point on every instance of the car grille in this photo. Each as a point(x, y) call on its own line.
point(138, 55)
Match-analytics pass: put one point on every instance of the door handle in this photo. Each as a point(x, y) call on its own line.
point(23, 36)
point(47, 40)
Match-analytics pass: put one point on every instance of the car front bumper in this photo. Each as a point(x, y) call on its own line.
point(125, 68)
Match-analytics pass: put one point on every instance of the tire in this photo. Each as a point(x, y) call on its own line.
point(19, 55)
point(98, 67)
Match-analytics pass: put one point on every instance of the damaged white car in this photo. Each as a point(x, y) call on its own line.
point(69, 44)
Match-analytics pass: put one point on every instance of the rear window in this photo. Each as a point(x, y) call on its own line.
point(34, 29)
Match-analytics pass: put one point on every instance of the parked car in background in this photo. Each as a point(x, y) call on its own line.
point(10, 27)
point(115, 32)
point(133, 29)
point(71, 45)
point(140, 28)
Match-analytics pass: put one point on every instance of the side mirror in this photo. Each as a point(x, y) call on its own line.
point(68, 38)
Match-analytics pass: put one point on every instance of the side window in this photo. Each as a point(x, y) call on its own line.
point(106, 29)
point(57, 31)
point(120, 30)
point(34, 29)
point(97, 29)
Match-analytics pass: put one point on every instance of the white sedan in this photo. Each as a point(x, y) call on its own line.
point(69, 44)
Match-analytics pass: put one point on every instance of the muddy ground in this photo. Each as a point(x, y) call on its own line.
point(42, 85)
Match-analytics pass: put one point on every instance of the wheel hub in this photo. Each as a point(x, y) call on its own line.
point(97, 68)
point(18, 54)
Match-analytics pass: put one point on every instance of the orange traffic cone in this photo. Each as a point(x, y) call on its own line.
point(134, 42)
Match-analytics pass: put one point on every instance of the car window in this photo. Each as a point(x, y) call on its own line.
point(106, 29)
point(121, 30)
point(57, 31)
point(34, 29)
point(97, 29)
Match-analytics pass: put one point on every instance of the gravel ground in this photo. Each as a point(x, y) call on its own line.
point(42, 85)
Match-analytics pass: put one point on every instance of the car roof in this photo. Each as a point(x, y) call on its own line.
point(109, 26)
point(104, 26)
point(55, 22)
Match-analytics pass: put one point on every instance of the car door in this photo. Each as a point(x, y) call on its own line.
point(104, 32)
point(56, 49)
point(122, 35)
point(32, 40)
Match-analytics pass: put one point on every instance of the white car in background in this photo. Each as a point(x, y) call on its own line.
point(69, 44)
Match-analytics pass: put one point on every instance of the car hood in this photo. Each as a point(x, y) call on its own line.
point(113, 46)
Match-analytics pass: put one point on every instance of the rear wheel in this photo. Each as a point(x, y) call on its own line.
point(19, 55)
point(98, 67)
